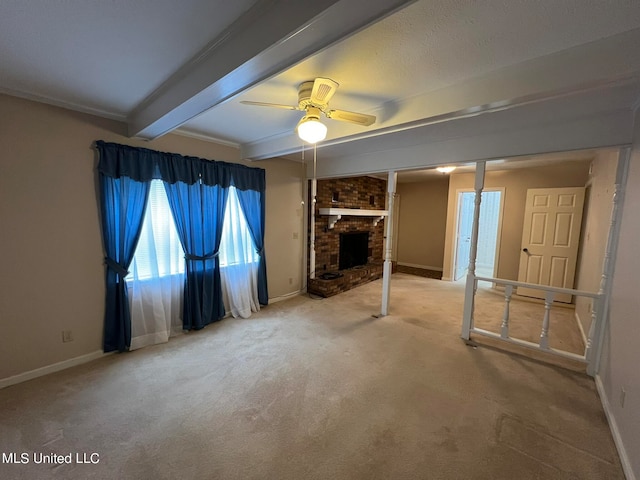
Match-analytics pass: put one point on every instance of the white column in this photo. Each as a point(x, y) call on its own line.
point(594, 344)
point(470, 288)
point(388, 226)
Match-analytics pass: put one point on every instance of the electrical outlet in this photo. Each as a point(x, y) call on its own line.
point(295, 235)
point(67, 336)
point(623, 395)
point(290, 281)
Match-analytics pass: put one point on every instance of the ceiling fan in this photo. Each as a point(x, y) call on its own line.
point(313, 99)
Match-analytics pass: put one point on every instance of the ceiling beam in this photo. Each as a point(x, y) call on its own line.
point(269, 38)
point(462, 145)
point(589, 67)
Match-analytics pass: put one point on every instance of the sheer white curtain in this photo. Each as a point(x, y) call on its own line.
point(156, 280)
point(238, 262)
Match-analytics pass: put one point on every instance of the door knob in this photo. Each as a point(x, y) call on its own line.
point(525, 250)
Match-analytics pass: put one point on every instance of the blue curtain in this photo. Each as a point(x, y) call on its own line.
point(197, 189)
point(198, 210)
point(252, 204)
point(122, 202)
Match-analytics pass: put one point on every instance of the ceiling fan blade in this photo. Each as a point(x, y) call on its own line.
point(323, 90)
point(352, 117)
point(275, 105)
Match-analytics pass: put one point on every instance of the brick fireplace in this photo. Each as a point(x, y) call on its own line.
point(357, 193)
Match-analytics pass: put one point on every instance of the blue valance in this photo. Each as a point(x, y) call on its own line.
point(143, 165)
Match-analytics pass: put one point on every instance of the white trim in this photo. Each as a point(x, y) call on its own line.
point(615, 432)
point(424, 267)
point(55, 367)
point(584, 336)
point(205, 137)
point(63, 104)
point(611, 251)
point(286, 296)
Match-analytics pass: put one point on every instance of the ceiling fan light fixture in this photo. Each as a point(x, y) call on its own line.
point(445, 169)
point(311, 129)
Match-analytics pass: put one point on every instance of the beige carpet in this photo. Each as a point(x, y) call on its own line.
point(317, 389)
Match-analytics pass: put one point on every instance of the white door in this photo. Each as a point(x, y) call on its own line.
point(463, 235)
point(550, 238)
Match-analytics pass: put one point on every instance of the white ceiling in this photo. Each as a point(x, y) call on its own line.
point(159, 67)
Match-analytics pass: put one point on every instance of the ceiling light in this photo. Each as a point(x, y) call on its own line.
point(446, 169)
point(311, 129)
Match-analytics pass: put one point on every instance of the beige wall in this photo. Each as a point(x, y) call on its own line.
point(52, 259)
point(621, 355)
point(515, 183)
point(422, 222)
point(595, 231)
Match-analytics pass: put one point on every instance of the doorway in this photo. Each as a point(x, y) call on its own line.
point(550, 239)
point(490, 224)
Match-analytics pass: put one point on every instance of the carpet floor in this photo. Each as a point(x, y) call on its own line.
point(315, 389)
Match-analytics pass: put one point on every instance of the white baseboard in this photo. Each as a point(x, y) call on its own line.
point(580, 327)
point(613, 426)
point(286, 296)
point(56, 367)
point(424, 267)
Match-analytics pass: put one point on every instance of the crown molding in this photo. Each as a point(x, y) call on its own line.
point(64, 104)
point(203, 136)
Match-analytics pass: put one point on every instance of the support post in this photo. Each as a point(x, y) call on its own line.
point(388, 227)
point(471, 285)
point(622, 172)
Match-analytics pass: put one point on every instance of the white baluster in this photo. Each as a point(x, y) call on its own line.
point(544, 336)
point(508, 291)
point(589, 347)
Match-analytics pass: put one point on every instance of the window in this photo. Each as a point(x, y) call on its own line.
point(159, 252)
point(236, 246)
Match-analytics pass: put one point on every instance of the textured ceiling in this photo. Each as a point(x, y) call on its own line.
point(430, 59)
point(103, 55)
point(424, 47)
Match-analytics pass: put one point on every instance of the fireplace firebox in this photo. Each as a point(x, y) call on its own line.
point(354, 249)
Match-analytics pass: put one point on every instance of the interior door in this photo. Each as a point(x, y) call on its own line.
point(463, 235)
point(550, 238)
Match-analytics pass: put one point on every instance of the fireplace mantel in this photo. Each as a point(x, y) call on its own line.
point(336, 214)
